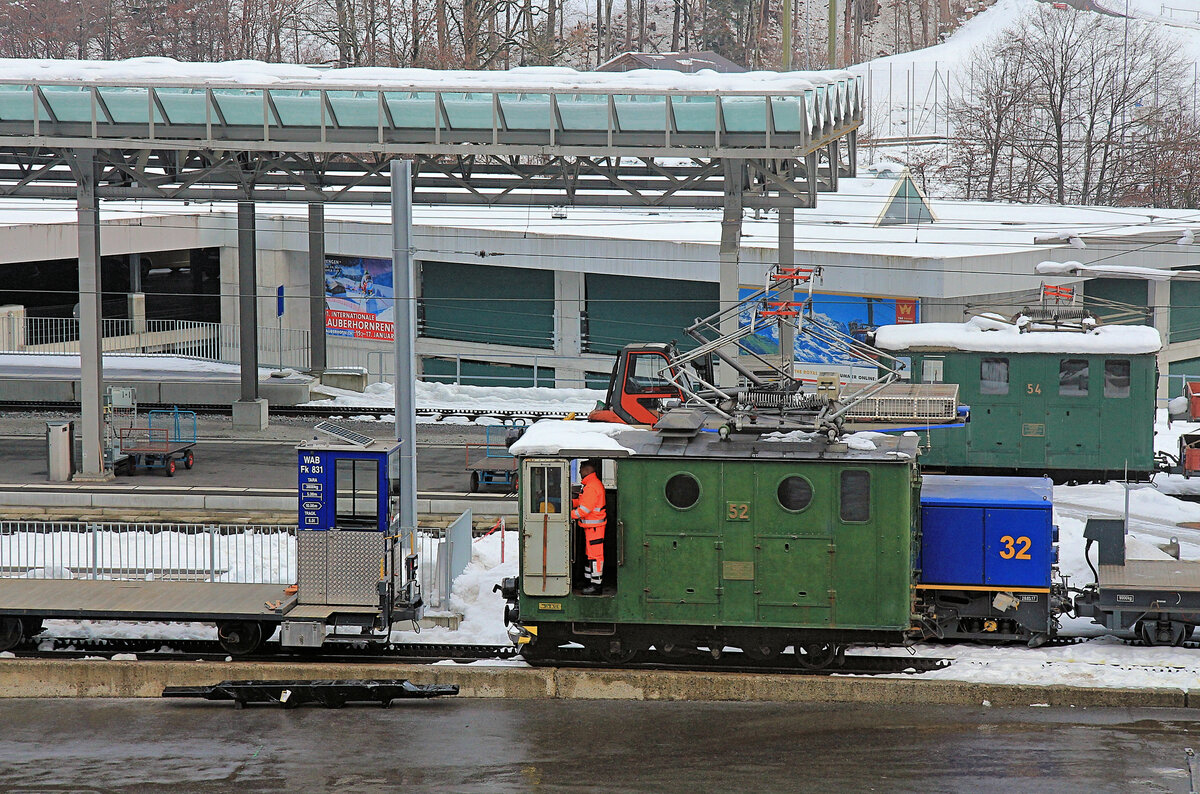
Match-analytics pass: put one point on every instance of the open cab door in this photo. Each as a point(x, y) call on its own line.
point(546, 527)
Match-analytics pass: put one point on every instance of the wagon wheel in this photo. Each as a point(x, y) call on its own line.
point(31, 626)
point(11, 633)
point(171, 467)
point(673, 650)
point(188, 459)
point(474, 482)
point(1151, 634)
point(816, 656)
point(239, 637)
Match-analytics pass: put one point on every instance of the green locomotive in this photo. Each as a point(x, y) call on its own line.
point(717, 540)
point(1071, 401)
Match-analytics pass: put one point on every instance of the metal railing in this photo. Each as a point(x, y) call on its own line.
point(256, 554)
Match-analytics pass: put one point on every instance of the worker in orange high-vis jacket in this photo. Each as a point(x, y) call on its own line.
point(588, 511)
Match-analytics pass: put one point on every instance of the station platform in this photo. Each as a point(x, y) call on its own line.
point(163, 380)
point(237, 478)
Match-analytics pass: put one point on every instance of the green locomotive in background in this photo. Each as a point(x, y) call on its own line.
point(1074, 403)
point(716, 541)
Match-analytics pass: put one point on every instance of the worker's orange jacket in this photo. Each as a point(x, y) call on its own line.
point(588, 508)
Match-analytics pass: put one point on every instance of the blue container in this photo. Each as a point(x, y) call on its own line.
point(987, 531)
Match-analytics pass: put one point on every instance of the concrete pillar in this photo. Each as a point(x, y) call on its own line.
point(731, 240)
point(91, 363)
point(317, 360)
point(405, 313)
point(569, 301)
point(1159, 299)
point(135, 272)
point(12, 328)
point(787, 258)
point(137, 311)
point(249, 412)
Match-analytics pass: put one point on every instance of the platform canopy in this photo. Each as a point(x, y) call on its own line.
point(334, 128)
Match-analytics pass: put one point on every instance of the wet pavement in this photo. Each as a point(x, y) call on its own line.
point(499, 746)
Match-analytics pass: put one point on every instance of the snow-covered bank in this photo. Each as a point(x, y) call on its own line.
point(449, 397)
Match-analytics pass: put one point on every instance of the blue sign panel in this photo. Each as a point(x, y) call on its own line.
point(314, 488)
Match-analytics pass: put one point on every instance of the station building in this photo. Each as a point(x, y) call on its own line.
point(546, 296)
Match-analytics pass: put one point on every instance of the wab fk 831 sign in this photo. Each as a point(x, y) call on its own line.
point(358, 298)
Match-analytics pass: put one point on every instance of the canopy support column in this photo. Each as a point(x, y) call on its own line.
point(316, 289)
point(91, 362)
point(249, 412)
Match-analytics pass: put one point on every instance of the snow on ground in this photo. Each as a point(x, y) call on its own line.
point(449, 397)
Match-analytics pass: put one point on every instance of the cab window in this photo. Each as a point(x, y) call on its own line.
point(855, 495)
point(1073, 377)
point(993, 376)
point(545, 489)
point(643, 374)
point(1116, 377)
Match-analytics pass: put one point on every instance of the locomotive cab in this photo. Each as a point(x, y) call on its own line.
point(553, 545)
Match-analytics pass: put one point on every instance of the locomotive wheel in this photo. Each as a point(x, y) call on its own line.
point(673, 650)
point(11, 632)
point(615, 651)
point(239, 637)
point(761, 650)
point(816, 655)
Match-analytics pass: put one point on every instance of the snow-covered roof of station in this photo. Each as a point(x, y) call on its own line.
point(545, 79)
point(983, 335)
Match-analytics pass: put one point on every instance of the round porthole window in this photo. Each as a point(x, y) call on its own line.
point(794, 493)
point(683, 491)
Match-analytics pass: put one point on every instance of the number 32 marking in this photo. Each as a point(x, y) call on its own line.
point(1010, 550)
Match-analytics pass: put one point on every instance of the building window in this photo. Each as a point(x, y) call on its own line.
point(357, 489)
point(856, 495)
point(794, 493)
point(993, 376)
point(1073, 377)
point(683, 491)
point(1116, 377)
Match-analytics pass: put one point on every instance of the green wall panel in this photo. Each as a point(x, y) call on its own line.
point(624, 309)
point(498, 305)
point(479, 373)
point(1119, 290)
point(1185, 311)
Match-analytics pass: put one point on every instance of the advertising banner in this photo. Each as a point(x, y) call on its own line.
point(358, 298)
point(855, 315)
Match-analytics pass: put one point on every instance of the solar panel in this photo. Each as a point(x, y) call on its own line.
point(344, 434)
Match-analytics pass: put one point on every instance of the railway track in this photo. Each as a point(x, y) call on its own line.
point(43, 647)
point(321, 411)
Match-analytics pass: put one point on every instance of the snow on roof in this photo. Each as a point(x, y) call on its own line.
point(580, 439)
point(167, 71)
point(989, 336)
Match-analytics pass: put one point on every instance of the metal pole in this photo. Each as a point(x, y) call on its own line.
point(787, 258)
point(316, 289)
point(91, 364)
point(247, 301)
point(731, 239)
point(404, 281)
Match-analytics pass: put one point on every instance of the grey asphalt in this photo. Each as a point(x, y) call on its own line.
point(259, 460)
point(576, 746)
